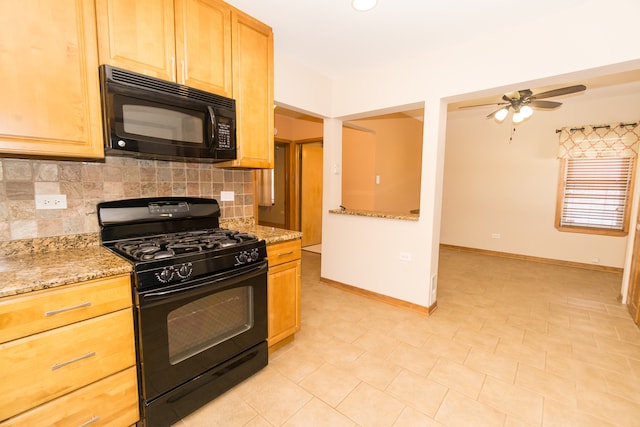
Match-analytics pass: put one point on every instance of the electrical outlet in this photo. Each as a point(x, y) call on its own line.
point(226, 196)
point(405, 256)
point(495, 235)
point(51, 201)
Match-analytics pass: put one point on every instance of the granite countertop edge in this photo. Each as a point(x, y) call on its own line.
point(36, 264)
point(374, 214)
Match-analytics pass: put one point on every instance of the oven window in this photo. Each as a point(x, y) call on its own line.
point(210, 320)
point(163, 123)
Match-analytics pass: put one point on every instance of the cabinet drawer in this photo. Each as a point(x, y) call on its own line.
point(44, 366)
point(283, 252)
point(40, 311)
point(111, 401)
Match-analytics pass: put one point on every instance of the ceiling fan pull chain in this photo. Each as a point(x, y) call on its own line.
point(513, 132)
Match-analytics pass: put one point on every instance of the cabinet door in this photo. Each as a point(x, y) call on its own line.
point(203, 45)
point(253, 91)
point(49, 91)
point(283, 301)
point(138, 35)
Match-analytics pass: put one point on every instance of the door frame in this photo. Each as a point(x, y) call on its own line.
point(293, 163)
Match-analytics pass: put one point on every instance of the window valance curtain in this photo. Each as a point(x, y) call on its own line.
point(594, 141)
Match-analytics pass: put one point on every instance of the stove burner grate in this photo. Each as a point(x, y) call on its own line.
point(170, 245)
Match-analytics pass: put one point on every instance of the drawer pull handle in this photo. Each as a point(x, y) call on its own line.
point(69, 362)
point(92, 420)
point(62, 310)
point(286, 253)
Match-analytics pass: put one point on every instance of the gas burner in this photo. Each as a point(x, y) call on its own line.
point(174, 244)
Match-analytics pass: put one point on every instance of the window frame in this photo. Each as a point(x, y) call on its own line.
point(586, 229)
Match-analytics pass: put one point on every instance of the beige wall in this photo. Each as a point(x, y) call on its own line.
point(497, 186)
point(397, 156)
point(294, 129)
point(86, 184)
point(358, 169)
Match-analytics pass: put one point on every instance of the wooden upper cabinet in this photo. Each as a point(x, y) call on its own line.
point(184, 41)
point(138, 36)
point(206, 44)
point(253, 91)
point(203, 45)
point(49, 91)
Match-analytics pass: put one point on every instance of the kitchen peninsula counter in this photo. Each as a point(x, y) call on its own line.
point(375, 214)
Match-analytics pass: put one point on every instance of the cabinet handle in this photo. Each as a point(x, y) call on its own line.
point(173, 69)
point(92, 420)
point(62, 310)
point(77, 359)
point(184, 73)
point(286, 253)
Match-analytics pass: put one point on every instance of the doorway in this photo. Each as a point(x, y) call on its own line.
point(290, 195)
point(311, 195)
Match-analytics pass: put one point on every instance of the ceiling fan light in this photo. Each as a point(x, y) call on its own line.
point(518, 117)
point(363, 5)
point(526, 111)
point(501, 114)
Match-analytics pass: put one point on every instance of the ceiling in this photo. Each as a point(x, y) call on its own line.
point(331, 38)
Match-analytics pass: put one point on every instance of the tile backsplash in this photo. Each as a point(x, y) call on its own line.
point(87, 183)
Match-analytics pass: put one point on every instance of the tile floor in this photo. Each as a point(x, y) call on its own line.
point(512, 344)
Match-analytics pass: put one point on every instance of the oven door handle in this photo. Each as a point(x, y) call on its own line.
point(255, 270)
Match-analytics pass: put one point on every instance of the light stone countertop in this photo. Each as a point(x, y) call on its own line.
point(375, 214)
point(24, 273)
point(35, 264)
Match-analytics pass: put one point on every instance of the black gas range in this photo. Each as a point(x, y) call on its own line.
point(200, 300)
point(172, 239)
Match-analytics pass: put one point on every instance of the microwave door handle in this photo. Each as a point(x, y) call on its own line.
point(212, 120)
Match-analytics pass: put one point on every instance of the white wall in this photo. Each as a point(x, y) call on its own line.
point(575, 44)
point(494, 186)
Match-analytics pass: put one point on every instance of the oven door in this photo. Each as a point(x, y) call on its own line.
point(187, 329)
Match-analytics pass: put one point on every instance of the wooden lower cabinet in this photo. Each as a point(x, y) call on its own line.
point(283, 292)
point(74, 359)
point(111, 401)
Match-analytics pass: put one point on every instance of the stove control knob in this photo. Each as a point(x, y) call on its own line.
point(185, 270)
point(242, 258)
point(254, 254)
point(165, 275)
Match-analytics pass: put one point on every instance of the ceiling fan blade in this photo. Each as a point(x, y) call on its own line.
point(557, 92)
point(545, 104)
point(494, 113)
point(482, 105)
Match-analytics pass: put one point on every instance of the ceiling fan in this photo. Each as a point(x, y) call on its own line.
point(524, 101)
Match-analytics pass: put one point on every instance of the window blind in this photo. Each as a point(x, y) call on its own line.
point(596, 192)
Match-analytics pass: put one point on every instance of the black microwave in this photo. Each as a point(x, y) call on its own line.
point(146, 117)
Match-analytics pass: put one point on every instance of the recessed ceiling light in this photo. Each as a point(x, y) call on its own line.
point(364, 5)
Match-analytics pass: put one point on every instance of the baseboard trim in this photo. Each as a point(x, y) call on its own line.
point(381, 298)
point(582, 265)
